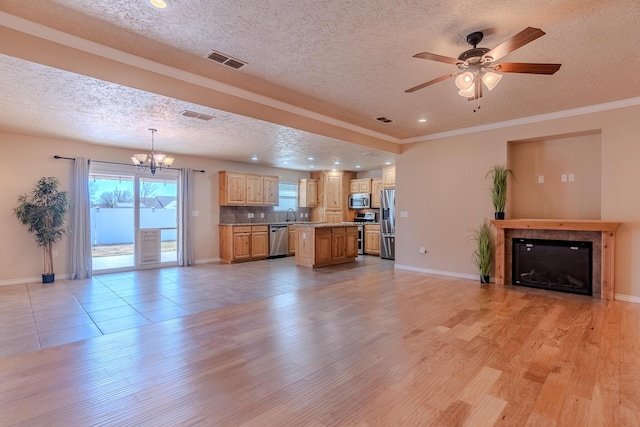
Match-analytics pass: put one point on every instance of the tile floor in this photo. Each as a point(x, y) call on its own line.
point(34, 316)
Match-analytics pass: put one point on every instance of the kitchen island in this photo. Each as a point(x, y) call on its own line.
point(326, 244)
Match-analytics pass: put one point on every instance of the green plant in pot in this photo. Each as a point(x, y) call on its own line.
point(483, 255)
point(43, 212)
point(499, 175)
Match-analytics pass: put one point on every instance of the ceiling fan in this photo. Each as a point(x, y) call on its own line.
point(478, 65)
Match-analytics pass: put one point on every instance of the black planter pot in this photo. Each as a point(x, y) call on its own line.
point(485, 279)
point(499, 215)
point(48, 278)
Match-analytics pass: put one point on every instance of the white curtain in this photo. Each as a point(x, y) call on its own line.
point(185, 244)
point(80, 221)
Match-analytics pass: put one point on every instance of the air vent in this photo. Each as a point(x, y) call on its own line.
point(194, 115)
point(223, 59)
point(384, 119)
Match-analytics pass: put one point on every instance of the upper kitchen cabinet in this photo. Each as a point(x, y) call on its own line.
point(335, 195)
point(389, 177)
point(242, 189)
point(307, 193)
point(271, 190)
point(376, 192)
point(360, 186)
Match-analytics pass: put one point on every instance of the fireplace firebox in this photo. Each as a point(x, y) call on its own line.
point(557, 265)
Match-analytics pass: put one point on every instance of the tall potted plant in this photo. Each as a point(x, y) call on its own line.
point(483, 255)
point(498, 175)
point(43, 212)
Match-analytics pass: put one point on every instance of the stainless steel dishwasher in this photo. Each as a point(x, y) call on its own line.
point(278, 241)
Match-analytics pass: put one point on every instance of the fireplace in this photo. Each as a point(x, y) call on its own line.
point(558, 265)
point(602, 235)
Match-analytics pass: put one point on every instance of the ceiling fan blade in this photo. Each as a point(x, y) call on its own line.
point(525, 36)
point(525, 67)
point(430, 82)
point(439, 58)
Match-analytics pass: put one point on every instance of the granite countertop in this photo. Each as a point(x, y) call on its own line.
point(273, 223)
point(329, 224)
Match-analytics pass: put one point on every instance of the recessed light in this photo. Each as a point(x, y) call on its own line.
point(357, 166)
point(422, 120)
point(336, 162)
point(309, 158)
point(334, 170)
point(311, 166)
point(285, 162)
point(160, 4)
point(254, 158)
point(387, 163)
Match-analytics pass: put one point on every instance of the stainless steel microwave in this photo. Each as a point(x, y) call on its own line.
point(359, 201)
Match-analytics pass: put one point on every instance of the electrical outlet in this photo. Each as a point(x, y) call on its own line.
point(572, 177)
point(195, 213)
point(404, 214)
point(54, 253)
point(563, 177)
point(261, 214)
point(540, 179)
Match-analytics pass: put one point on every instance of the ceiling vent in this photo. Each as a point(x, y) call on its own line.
point(384, 119)
point(194, 115)
point(223, 59)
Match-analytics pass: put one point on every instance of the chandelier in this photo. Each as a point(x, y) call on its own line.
point(152, 161)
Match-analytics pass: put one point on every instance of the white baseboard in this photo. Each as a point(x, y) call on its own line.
point(627, 298)
point(24, 280)
point(207, 260)
point(438, 272)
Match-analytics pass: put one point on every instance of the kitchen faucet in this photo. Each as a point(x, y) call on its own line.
point(294, 214)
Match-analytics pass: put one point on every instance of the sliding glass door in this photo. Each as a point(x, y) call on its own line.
point(133, 218)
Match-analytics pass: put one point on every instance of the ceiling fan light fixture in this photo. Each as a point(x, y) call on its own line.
point(468, 93)
point(464, 81)
point(491, 79)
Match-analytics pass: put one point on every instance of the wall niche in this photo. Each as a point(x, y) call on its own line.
point(556, 177)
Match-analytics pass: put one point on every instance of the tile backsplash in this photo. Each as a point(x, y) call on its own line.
point(261, 214)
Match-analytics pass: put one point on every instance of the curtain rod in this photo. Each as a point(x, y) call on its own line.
point(114, 163)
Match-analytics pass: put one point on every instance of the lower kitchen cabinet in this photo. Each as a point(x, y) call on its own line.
point(293, 237)
point(243, 243)
point(372, 239)
point(326, 245)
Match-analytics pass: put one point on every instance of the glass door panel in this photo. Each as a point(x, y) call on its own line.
point(158, 210)
point(112, 221)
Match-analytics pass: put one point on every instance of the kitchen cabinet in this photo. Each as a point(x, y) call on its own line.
point(255, 188)
point(333, 191)
point(320, 245)
point(242, 189)
point(372, 239)
point(351, 242)
point(389, 177)
point(376, 191)
point(293, 237)
point(243, 243)
point(271, 191)
point(307, 193)
point(360, 186)
point(333, 217)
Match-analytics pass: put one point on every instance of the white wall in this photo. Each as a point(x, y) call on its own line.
point(441, 183)
point(27, 159)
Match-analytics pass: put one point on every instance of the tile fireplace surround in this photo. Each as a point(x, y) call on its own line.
point(601, 233)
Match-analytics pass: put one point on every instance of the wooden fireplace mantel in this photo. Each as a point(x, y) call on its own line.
point(607, 228)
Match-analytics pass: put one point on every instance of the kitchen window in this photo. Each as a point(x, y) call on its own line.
point(288, 196)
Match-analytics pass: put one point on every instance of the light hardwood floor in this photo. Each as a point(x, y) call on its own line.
point(360, 344)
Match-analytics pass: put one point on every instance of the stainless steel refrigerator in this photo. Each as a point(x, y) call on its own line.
point(388, 224)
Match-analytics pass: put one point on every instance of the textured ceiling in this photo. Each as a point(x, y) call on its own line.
point(318, 72)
